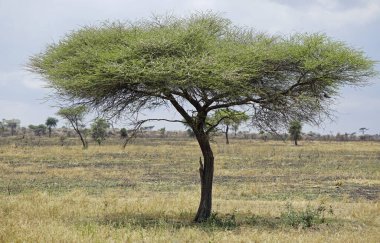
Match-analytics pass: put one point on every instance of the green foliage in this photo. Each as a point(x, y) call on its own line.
point(307, 218)
point(295, 128)
point(162, 132)
point(75, 113)
point(123, 133)
point(38, 130)
point(51, 122)
point(117, 67)
point(228, 117)
point(99, 130)
point(199, 65)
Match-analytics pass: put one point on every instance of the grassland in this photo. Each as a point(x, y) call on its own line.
point(149, 192)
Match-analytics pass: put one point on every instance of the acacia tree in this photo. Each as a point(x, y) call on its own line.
point(227, 118)
point(198, 65)
point(363, 130)
point(50, 123)
point(75, 116)
point(295, 128)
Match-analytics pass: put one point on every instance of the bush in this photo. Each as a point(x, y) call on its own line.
point(306, 218)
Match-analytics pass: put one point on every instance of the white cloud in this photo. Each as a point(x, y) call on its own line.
point(23, 78)
point(289, 16)
point(328, 14)
point(331, 14)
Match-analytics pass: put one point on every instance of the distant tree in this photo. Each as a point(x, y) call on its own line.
point(99, 130)
point(2, 128)
point(50, 123)
point(236, 125)
point(39, 130)
point(190, 133)
point(227, 118)
point(12, 125)
point(295, 129)
point(162, 132)
point(75, 116)
point(123, 133)
point(363, 136)
point(199, 65)
point(363, 130)
point(32, 127)
point(263, 135)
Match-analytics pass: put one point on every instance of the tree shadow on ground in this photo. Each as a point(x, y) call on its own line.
point(185, 220)
point(309, 217)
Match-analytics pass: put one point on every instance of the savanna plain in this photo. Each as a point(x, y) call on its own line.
point(149, 192)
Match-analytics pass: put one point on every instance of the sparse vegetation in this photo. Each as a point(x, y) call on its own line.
point(310, 217)
point(148, 192)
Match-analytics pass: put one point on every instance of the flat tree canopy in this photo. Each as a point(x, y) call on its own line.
point(198, 65)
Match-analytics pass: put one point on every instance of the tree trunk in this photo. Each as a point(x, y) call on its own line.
point(12, 130)
point(206, 172)
point(227, 140)
point(82, 139)
point(49, 132)
point(295, 142)
point(75, 126)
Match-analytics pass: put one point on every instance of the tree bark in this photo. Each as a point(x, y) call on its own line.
point(206, 172)
point(227, 140)
point(84, 142)
point(75, 126)
point(82, 139)
point(295, 142)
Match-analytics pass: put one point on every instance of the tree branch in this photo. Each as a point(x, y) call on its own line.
point(189, 120)
point(216, 124)
point(244, 101)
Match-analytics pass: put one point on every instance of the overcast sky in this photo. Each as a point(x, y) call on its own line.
point(27, 26)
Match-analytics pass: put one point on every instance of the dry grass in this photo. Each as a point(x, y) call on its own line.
point(150, 191)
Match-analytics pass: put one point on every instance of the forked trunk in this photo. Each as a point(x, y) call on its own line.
point(206, 172)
